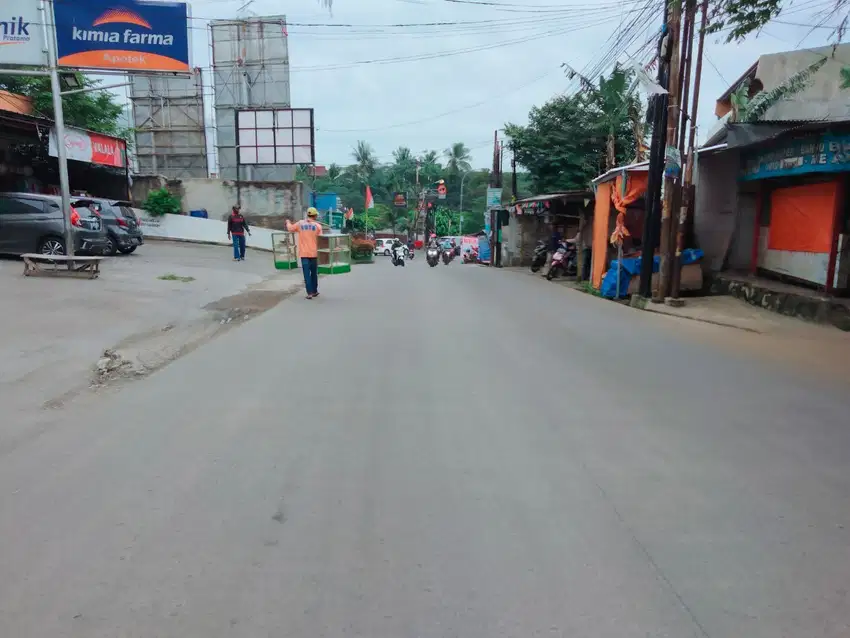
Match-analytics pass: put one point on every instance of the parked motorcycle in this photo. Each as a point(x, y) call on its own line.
point(432, 256)
point(564, 261)
point(398, 255)
point(470, 256)
point(541, 251)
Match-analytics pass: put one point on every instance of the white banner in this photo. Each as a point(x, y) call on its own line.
point(77, 145)
point(93, 148)
point(21, 36)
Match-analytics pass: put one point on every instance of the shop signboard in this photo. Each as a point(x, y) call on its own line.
point(93, 148)
point(399, 200)
point(21, 35)
point(494, 198)
point(814, 154)
point(135, 36)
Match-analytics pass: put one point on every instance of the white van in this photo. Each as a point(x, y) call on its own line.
point(385, 247)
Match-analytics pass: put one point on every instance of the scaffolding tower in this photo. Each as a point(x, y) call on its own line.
point(168, 118)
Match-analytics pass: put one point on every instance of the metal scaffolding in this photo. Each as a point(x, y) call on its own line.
point(168, 118)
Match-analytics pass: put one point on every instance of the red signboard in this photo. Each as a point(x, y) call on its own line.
point(93, 148)
point(107, 151)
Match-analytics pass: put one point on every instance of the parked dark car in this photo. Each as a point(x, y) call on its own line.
point(123, 231)
point(34, 223)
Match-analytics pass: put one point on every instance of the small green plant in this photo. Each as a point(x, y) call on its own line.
point(586, 286)
point(172, 277)
point(161, 202)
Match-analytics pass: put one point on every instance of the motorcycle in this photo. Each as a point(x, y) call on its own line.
point(470, 256)
point(432, 256)
point(541, 251)
point(398, 256)
point(448, 255)
point(564, 261)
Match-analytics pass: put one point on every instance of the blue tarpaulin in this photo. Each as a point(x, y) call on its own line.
point(483, 249)
point(631, 268)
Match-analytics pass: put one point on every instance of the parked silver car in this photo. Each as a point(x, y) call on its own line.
point(34, 223)
point(123, 231)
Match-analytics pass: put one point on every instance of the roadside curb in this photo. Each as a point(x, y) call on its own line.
point(714, 322)
point(201, 242)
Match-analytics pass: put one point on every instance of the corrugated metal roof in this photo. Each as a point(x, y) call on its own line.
point(640, 167)
point(577, 195)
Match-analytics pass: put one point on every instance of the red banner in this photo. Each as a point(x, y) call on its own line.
point(107, 151)
point(93, 148)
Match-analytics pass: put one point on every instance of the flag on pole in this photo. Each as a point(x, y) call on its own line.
point(370, 201)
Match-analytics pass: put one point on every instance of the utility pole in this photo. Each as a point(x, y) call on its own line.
point(669, 183)
point(513, 173)
point(656, 167)
point(687, 50)
point(59, 118)
point(687, 187)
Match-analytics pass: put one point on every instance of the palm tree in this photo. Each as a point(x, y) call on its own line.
point(334, 171)
point(457, 159)
point(365, 162)
point(429, 167)
point(402, 155)
point(403, 171)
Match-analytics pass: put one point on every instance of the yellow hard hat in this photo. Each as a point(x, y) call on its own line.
point(312, 212)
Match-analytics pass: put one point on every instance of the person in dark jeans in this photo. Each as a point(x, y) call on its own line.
point(237, 226)
point(308, 245)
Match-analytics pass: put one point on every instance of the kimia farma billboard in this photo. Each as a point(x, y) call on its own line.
point(134, 35)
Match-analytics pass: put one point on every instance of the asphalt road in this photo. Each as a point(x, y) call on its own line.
point(436, 453)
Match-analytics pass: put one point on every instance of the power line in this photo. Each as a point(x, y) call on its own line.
point(439, 115)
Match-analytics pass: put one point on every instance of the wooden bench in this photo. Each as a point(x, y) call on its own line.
point(58, 265)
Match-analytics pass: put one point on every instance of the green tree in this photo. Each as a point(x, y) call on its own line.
point(457, 159)
point(402, 173)
point(365, 162)
point(96, 111)
point(571, 139)
point(430, 169)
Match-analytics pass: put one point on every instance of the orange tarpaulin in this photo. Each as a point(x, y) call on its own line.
point(635, 188)
point(801, 218)
point(601, 220)
point(621, 197)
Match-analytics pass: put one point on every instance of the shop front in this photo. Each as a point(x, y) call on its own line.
point(619, 214)
point(543, 217)
point(97, 164)
point(802, 230)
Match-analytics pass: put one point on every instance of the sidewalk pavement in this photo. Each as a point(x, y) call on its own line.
point(729, 312)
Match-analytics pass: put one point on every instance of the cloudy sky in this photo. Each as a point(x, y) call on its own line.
point(484, 64)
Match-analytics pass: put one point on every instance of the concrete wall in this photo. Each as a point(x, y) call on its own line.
point(263, 203)
point(198, 230)
point(822, 99)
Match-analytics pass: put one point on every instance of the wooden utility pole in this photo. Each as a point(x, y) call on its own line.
point(687, 183)
point(675, 24)
point(652, 218)
point(687, 50)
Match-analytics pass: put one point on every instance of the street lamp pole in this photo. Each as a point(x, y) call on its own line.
point(462, 179)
